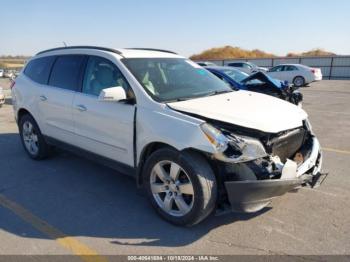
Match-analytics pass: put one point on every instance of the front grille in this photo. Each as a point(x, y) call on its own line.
point(287, 144)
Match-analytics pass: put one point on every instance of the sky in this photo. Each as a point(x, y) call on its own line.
point(184, 26)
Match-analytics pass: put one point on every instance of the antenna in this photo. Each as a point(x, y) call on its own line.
point(64, 43)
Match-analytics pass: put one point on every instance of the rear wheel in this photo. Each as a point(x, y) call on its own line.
point(180, 185)
point(32, 139)
point(299, 81)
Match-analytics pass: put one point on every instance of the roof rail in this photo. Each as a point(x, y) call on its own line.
point(82, 47)
point(152, 49)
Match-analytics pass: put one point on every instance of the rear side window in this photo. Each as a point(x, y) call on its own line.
point(290, 68)
point(66, 72)
point(276, 69)
point(236, 64)
point(39, 69)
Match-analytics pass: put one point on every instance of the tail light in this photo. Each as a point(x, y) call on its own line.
point(13, 82)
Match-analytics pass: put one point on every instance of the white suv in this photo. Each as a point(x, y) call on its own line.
point(191, 142)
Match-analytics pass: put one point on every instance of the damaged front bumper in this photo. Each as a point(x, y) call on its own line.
point(253, 195)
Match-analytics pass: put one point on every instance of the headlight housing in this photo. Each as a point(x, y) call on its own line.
point(233, 148)
point(215, 137)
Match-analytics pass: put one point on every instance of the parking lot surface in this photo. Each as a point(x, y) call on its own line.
point(69, 205)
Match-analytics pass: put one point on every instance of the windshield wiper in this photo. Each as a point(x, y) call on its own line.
point(214, 93)
point(194, 97)
point(178, 99)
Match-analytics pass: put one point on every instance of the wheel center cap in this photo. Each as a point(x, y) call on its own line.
point(172, 187)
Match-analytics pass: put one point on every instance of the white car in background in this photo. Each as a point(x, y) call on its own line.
point(299, 75)
point(247, 67)
point(1, 72)
point(2, 96)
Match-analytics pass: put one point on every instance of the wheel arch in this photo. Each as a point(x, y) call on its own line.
point(154, 146)
point(145, 153)
point(21, 112)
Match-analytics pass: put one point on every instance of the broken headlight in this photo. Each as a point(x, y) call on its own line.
point(231, 147)
point(242, 149)
point(215, 137)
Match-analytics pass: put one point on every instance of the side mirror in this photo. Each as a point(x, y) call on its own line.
point(112, 94)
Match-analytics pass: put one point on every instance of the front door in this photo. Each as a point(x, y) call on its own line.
point(104, 128)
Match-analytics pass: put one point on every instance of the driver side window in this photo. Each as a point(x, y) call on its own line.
point(276, 69)
point(101, 73)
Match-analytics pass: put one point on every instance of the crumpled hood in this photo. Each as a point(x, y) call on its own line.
point(247, 109)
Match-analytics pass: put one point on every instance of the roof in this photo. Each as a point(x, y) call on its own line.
point(139, 53)
point(290, 64)
point(124, 52)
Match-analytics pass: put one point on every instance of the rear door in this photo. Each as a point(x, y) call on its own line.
point(55, 101)
point(104, 128)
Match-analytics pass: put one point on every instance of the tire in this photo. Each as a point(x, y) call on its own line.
point(32, 139)
point(194, 170)
point(299, 81)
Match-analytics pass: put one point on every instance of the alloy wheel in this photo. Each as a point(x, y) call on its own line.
point(172, 188)
point(30, 138)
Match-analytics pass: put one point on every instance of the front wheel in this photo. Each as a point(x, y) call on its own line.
point(180, 185)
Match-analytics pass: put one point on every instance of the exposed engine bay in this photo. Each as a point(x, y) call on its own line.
point(254, 166)
point(292, 159)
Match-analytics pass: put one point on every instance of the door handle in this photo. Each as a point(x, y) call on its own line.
point(43, 98)
point(81, 108)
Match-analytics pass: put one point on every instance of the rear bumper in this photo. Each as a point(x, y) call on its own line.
point(318, 77)
point(253, 195)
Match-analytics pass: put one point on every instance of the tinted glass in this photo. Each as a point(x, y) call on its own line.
point(236, 75)
point(66, 72)
point(39, 69)
point(247, 66)
point(236, 64)
point(276, 69)
point(174, 79)
point(290, 68)
point(100, 74)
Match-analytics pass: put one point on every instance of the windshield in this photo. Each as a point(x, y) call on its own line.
point(236, 75)
point(174, 79)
